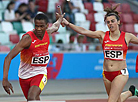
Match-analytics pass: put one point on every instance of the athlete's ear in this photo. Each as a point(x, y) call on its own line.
point(118, 22)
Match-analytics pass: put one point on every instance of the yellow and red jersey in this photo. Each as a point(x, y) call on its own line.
point(34, 60)
point(114, 50)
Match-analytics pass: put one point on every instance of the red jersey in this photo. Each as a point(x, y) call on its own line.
point(114, 50)
point(34, 59)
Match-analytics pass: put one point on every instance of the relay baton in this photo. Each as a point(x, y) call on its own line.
point(59, 9)
point(60, 12)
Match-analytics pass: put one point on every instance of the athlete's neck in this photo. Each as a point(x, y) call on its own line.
point(39, 37)
point(115, 35)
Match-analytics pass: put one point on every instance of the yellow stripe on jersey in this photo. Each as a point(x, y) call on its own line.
point(43, 82)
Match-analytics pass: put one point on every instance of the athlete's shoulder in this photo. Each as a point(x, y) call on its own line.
point(127, 34)
point(102, 34)
point(26, 38)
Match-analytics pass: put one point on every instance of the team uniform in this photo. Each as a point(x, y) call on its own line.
point(114, 50)
point(33, 63)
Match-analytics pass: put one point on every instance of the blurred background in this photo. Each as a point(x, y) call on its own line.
point(73, 56)
point(70, 52)
point(16, 18)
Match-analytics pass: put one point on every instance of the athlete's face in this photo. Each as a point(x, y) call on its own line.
point(112, 23)
point(40, 27)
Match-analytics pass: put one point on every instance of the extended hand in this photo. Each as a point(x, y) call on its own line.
point(60, 16)
point(65, 22)
point(7, 86)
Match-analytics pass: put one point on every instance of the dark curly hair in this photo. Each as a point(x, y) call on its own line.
point(111, 11)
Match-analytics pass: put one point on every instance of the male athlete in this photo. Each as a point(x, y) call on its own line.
point(34, 58)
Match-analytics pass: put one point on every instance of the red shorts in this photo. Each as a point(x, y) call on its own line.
point(38, 80)
point(111, 75)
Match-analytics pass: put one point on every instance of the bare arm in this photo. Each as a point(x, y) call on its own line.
point(131, 38)
point(17, 15)
point(80, 30)
point(56, 25)
point(20, 17)
point(25, 42)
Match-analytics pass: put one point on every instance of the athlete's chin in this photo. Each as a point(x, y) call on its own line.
point(39, 33)
point(112, 30)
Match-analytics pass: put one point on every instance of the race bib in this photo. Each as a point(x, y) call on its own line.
point(113, 54)
point(124, 71)
point(44, 79)
point(41, 60)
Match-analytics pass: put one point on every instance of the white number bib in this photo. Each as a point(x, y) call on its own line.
point(113, 54)
point(124, 71)
point(41, 60)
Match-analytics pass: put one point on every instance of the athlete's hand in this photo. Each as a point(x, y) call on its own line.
point(7, 86)
point(65, 22)
point(60, 16)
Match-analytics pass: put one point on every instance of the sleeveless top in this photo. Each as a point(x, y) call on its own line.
point(114, 50)
point(34, 60)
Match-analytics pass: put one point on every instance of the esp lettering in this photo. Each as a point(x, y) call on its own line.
point(112, 54)
point(40, 60)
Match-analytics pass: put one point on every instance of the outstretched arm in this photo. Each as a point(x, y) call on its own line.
point(134, 39)
point(25, 42)
point(56, 25)
point(80, 30)
point(131, 38)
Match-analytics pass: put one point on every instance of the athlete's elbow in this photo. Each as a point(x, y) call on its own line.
point(7, 58)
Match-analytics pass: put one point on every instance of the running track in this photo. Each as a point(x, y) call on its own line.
point(76, 90)
point(92, 100)
point(99, 100)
